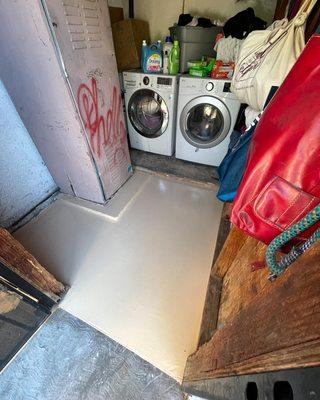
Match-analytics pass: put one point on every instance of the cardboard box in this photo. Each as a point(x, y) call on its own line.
point(116, 14)
point(127, 36)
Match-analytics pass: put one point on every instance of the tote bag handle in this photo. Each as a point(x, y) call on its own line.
point(298, 21)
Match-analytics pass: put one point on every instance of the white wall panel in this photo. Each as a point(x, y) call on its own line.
point(83, 32)
point(37, 86)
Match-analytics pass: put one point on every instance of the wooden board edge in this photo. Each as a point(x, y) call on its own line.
point(299, 356)
point(211, 306)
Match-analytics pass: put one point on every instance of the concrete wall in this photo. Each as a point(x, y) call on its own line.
point(24, 179)
point(163, 14)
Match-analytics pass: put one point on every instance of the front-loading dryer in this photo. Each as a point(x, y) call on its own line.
point(151, 101)
point(206, 115)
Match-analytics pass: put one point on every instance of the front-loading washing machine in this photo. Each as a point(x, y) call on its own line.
point(151, 101)
point(206, 114)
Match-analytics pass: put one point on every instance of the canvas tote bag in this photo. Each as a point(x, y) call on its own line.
point(267, 56)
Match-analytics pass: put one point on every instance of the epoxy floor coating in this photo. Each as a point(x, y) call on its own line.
point(138, 267)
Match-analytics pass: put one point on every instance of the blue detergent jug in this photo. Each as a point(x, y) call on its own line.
point(151, 57)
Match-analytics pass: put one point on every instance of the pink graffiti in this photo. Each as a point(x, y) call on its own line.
point(108, 130)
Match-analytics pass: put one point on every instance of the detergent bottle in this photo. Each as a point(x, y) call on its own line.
point(166, 49)
point(174, 59)
point(151, 57)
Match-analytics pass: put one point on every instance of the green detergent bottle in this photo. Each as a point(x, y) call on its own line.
point(174, 59)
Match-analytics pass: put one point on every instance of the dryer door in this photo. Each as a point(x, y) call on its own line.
point(148, 113)
point(205, 121)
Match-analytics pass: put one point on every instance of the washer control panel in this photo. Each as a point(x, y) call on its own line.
point(159, 82)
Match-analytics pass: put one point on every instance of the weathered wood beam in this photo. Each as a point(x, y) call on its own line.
point(278, 329)
point(19, 260)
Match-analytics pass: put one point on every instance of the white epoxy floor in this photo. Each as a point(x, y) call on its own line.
point(138, 267)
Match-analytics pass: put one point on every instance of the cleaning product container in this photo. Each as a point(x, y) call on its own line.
point(151, 57)
point(166, 49)
point(195, 42)
point(201, 70)
point(174, 59)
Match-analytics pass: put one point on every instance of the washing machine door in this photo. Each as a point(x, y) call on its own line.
point(205, 121)
point(148, 113)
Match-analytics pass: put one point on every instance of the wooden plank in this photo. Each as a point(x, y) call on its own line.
point(222, 260)
point(279, 329)
point(301, 356)
point(224, 230)
point(236, 239)
point(240, 284)
point(19, 260)
point(211, 310)
point(211, 306)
